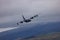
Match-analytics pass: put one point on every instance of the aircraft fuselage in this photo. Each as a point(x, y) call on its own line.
point(27, 20)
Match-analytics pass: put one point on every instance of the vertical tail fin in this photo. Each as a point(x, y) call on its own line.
point(23, 17)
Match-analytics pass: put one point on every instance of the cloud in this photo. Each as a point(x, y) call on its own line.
point(11, 10)
point(7, 29)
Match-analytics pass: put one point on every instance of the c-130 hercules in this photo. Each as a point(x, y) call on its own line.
point(27, 20)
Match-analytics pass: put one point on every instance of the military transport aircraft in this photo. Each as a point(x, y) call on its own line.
point(27, 20)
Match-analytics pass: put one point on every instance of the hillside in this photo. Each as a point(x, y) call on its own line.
point(30, 31)
point(49, 36)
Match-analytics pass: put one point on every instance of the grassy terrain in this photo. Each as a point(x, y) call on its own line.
point(49, 36)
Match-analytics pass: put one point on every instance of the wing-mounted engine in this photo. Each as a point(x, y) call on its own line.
point(34, 17)
point(21, 22)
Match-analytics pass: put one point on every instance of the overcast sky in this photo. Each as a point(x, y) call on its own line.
point(11, 10)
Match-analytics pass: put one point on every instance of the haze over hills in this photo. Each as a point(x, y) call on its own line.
point(30, 30)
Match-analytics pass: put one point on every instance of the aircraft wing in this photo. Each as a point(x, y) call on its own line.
point(33, 17)
point(20, 22)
